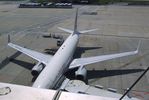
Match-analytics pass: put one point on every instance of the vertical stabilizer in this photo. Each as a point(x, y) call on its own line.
point(75, 26)
point(76, 18)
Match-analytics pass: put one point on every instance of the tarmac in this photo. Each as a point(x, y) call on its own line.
point(120, 29)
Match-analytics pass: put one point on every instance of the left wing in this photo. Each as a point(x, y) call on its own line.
point(34, 54)
point(89, 60)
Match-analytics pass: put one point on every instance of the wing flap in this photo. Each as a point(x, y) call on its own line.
point(34, 54)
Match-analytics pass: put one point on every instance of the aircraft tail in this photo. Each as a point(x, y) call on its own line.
point(76, 21)
point(75, 31)
point(75, 26)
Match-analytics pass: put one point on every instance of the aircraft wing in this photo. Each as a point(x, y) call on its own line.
point(34, 54)
point(89, 60)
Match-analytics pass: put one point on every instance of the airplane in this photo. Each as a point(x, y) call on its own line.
point(50, 69)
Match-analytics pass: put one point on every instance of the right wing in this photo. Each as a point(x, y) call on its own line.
point(34, 54)
point(89, 60)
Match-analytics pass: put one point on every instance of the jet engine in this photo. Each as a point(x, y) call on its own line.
point(81, 73)
point(37, 69)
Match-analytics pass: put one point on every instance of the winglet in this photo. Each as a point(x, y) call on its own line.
point(137, 50)
point(9, 38)
point(139, 45)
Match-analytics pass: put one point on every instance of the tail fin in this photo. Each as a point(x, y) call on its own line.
point(76, 21)
point(75, 25)
point(75, 31)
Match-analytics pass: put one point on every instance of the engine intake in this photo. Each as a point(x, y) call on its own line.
point(37, 69)
point(81, 73)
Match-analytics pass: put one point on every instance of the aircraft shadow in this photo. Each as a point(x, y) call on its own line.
point(24, 64)
point(91, 74)
point(77, 54)
point(80, 50)
point(7, 60)
point(51, 51)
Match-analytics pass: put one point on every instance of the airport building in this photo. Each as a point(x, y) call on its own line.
point(132, 2)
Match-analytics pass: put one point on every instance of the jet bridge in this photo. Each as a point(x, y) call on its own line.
point(77, 86)
point(17, 92)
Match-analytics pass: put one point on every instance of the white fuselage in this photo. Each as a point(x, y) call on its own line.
point(58, 64)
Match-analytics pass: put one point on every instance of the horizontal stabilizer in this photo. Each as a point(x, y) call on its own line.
point(87, 31)
point(66, 30)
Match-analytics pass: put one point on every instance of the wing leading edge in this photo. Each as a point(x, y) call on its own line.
point(34, 54)
point(90, 60)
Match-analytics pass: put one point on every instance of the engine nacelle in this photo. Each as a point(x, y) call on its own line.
point(81, 73)
point(37, 69)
